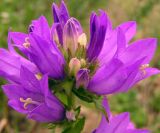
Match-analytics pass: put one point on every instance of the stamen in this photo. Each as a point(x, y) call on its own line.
point(26, 44)
point(38, 76)
point(27, 102)
point(143, 67)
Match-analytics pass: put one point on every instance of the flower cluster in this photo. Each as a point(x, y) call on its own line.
point(55, 64)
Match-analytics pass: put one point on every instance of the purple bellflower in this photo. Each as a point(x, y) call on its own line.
point(117, 124)
point(33, 98)
point(60, 54)
point(40, 49)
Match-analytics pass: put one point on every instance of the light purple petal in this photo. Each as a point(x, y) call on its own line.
point(139, 49)
point(46, 57)
point(44, 114)
point(41, 28)
point(60, 14)
point(129, 29)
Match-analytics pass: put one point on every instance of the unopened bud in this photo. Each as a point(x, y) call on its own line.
point(70, 115)
point(82, 78)
point(74, 65)
point(83, 62)
point(72, 30)
point(82, 40)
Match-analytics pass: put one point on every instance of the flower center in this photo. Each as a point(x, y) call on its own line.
point(27, 102)
point(143, 67)
point(26, 44)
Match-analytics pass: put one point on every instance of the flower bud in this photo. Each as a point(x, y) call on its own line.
point(70, 115)
point(72, 30)
point(74, 66)
point(82, 78)
point(83, 62)
point(82, 40)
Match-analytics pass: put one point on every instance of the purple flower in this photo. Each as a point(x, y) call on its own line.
point(33, 98)
point(125, 65)
point(40, 49)
point(117, 124)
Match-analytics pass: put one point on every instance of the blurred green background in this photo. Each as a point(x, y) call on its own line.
point(143, 101)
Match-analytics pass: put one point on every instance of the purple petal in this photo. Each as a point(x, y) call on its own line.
point(148, 72)
point(29, 81)
point(46, 57)
point(98, 26)
point(129, 29)
point(44, 114)
point(121, 41)
point(18, 106)
point(61, 14)
point(18, 39)
point(139, 49)
point(57, 33)
point(114, 77)
point(109, 48)
point(41, 28)
point(51, 100)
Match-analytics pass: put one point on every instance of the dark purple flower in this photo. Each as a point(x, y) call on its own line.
point(117, 124)
point(33, 98)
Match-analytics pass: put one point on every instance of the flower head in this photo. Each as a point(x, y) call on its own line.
point(33, 98)
point(117, 124)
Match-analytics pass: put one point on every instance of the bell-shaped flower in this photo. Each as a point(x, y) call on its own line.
point(33, 98)
point(117, 124)
point(129, 64)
